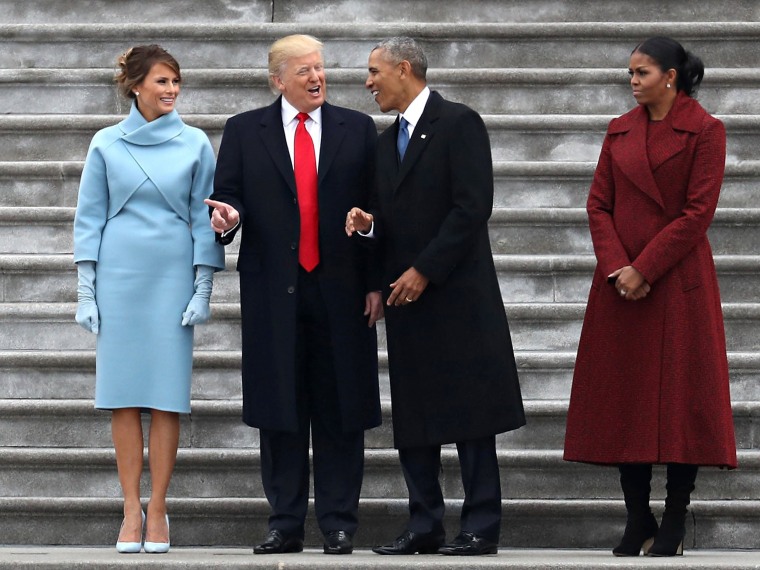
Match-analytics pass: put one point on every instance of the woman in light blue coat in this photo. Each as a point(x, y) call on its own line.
point(145, 255)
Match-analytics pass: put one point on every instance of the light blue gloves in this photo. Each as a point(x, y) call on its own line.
point(87, 308)
point(198, 310)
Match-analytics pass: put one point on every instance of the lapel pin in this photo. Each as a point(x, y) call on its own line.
point(422, 136)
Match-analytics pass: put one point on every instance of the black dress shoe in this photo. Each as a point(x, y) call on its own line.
point(469, 544)
point(338, 542)
point(277, 543)
point(411, 542)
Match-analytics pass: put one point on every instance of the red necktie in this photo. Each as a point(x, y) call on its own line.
point(306, 185)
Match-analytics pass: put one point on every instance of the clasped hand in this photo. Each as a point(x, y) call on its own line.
point(630, 284)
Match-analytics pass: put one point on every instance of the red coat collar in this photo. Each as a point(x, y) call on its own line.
point(629, 146)
point(685, 115)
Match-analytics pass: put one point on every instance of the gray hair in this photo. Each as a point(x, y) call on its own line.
point(398, 49)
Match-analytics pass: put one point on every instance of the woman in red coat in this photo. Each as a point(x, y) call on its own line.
point(651, 375)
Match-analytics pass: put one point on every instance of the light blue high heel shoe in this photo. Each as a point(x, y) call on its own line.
point(131, 547)
point(158, 547)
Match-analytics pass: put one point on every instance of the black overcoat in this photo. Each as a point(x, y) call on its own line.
point(452, 368)
point(254, 174)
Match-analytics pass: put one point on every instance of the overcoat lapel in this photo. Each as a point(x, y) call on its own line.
point(333, 133)
point(671, 144)
point(423, 133)
point(685, 118)
point(629, 148)
point(273, 137)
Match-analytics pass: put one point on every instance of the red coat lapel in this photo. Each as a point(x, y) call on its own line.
point(685, 118)
point(628, 149)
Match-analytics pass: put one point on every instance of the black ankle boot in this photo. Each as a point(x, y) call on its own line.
point(641, 526)
point(669, 540)
point(639, 535)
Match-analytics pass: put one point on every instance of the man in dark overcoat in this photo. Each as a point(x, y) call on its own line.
point(452, 368)
point(309, 342)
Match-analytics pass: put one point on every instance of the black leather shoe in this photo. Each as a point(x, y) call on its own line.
point(277, 543)
point(411, 542)
point(468, 544)
point(338, 542)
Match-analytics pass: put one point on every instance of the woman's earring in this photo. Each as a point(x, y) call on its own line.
point(668, 86)
point(137, 93)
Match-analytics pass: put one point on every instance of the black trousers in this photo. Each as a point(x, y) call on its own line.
point(481, 511)
point(338, 457)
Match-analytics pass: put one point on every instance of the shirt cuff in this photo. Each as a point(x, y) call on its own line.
point(370, 233)
point(232, 229)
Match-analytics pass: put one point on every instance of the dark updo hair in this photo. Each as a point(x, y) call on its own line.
point(135, 63)
point(669, 54)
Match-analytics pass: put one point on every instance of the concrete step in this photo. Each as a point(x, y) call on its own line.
point(561, 231)
point(534, 327)
point(488, 11)
point(60, 374)
point(530, 184)
point(240, 522)
point(195, 558)
point(513, 231)
point(511, 91)
point(226, 472)
point(98, 11)
point(215, 424)
point(35, 278)
point(557, 326)
point(458, 44)
point(304, 11)
point(547, 184)
point(534, 138)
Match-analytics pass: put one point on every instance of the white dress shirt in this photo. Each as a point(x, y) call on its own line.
point(313, 126)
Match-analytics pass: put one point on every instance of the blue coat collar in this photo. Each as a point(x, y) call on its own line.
point(141, 132)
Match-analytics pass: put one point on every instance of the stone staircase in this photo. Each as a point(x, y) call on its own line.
point(547, 75)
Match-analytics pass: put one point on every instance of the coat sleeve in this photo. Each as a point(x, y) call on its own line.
point(677, 238)
point(205, 249)
point(92, 206)
point(228, 180)
point(471, 187)
point(609, 250)
point(374, 272)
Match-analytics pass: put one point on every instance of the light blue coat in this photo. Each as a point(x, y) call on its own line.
point(178, 160)
point(141, 217)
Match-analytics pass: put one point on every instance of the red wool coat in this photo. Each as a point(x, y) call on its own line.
point(651, 376)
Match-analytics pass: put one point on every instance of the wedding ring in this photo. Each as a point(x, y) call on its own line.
point(408, 300)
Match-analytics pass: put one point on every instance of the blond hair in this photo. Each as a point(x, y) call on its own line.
point(297, 45)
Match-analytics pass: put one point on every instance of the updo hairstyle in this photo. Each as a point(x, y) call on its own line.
point(136, 63)
point(669, 54)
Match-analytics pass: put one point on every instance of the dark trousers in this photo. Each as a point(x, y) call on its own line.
point(481, 511)
point(338, 457)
